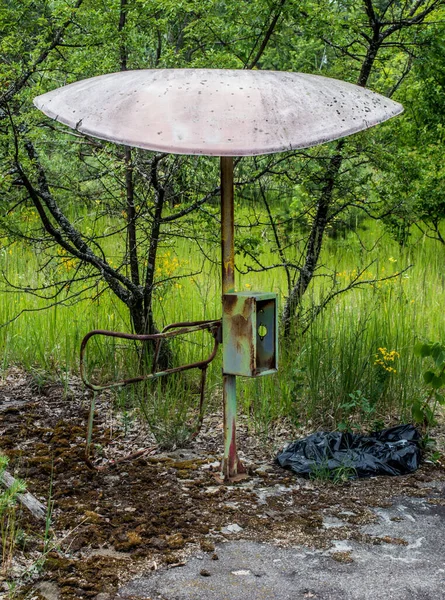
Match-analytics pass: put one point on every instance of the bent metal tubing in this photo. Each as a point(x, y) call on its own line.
point(178, 329)
point(173, 330)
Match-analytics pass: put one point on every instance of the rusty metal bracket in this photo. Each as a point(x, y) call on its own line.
point(170, 331)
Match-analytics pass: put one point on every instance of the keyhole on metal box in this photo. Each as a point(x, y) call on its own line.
point(262, 331)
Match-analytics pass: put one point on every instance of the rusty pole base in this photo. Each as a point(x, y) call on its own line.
point(232, 469)
point(230, 474)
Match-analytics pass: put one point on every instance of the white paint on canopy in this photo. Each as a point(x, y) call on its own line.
point(216, 112)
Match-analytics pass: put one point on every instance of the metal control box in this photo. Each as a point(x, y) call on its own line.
point(250, 333)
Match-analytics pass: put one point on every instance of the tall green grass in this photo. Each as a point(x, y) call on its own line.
point(333, 374)
point(329, 376)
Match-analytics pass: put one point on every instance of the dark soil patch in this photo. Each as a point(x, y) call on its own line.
point(110, 525)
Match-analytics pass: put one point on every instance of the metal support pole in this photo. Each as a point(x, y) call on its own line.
point(231, 466)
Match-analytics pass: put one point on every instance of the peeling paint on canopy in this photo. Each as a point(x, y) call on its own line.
point(216, 112)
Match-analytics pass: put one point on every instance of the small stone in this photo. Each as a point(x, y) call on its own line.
point(158, 543)
point(111, 478)
point(49, 590)
point(263, 469)
point(204, 573)
point(233, 528)
point(213, 490)
point(215, 556)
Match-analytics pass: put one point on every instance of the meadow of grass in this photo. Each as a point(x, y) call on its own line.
point(354, 366)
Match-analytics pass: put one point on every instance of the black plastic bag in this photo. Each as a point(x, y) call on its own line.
point(394, 451)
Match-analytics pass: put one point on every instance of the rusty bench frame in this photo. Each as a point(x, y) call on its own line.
point(170, 331)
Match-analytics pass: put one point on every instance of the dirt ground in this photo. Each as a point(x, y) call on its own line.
point(155, 510)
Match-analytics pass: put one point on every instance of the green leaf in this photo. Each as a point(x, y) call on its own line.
point(417, 412)
point(438, 353)
point(439, 359)
point(428, 377)
point(440, 398)
point(422, 349)
point(436, 382)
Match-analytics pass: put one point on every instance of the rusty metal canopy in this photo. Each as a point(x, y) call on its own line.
point(216, 112)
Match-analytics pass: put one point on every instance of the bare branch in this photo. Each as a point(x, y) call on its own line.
point(19, 83)
point(68, 301)
point(266, 37)
point(418, 19)
point(355, 283)
point(344, 49)
point(76, 246)
point(192, 207)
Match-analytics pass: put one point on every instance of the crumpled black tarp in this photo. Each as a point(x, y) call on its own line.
point(394, 451)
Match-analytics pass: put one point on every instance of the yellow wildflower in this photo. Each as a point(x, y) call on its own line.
point(384, 358)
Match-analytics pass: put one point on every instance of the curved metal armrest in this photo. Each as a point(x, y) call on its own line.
point(170, 331)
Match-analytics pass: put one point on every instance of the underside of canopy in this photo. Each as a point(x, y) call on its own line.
point(216, 112)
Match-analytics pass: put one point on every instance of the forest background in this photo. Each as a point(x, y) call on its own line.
point(349, 234)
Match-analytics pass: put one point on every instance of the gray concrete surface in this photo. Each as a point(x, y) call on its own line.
point(248, 570)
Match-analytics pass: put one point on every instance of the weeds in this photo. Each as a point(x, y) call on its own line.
point(48, 545)
point(9, 528)
point(424, 410)
point(356, 411)
point(337, 476)
point(171, 408)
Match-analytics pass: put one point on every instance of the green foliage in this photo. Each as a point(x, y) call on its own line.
point(424, 412)
point(316, 373)
point(323, 37)
point(355, 411)
point(337, 476)
point(171, 408)
point(413, 170)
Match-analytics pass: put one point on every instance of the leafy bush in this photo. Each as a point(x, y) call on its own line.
point(424, 410)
